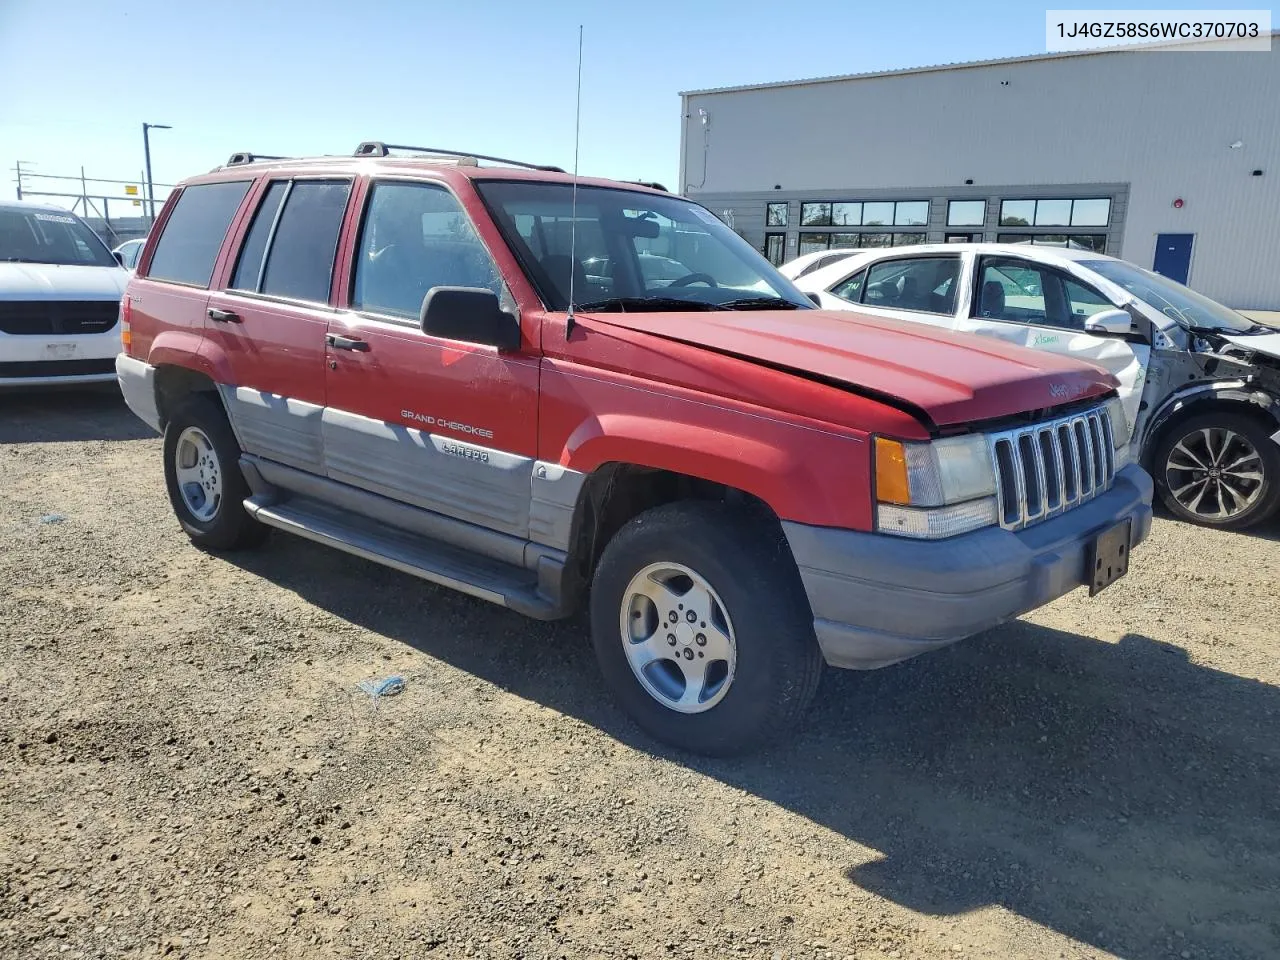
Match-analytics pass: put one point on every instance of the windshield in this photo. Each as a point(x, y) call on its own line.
point(633, 251)
point(1171, 298)
point(40, 236)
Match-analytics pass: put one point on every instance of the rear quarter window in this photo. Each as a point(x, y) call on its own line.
point(188, 248)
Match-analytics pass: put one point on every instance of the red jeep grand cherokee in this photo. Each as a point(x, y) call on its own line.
point(540, 395)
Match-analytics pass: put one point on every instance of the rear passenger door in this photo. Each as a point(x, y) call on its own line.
point(267, 324)
point(446, 425)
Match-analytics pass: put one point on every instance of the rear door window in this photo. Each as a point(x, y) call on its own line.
point(253, 252)
point(188, 248)
point(300, 259)
point(919, 284)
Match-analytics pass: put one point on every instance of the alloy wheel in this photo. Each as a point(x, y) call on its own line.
point(678, 638)
point(199, 474)
point(1214, 473)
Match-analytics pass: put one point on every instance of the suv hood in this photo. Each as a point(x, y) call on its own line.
point(950, 378)
point(52, 281)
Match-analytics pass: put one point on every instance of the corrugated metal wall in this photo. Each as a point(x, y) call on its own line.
point(1160, 122)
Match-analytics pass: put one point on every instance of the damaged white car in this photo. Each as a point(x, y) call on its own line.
point(1200, 383)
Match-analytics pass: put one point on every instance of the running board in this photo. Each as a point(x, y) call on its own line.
point(500, 583)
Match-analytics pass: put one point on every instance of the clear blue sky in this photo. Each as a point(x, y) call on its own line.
point(78, 77)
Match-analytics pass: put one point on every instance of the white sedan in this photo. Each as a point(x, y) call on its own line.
point(1200, 383)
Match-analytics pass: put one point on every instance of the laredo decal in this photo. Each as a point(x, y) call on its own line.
point(447, 424)
point(454, 449)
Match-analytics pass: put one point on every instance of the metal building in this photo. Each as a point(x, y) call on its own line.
point(1168, 159)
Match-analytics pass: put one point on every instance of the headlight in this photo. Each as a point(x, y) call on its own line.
point(937, 489)
point(1120, 430)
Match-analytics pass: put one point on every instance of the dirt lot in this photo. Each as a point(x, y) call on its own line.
point(188, 767)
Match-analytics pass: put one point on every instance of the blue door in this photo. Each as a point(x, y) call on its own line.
point(1173, 255)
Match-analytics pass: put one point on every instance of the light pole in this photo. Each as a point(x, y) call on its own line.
point(146, 149)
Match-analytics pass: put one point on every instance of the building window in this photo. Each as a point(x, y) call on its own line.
point(809, 242)
point(913, 213)
point(1095, 242)
point(877, 214)
point(846, 214)
point(966, 213)
point(812, 242)
point(1090, 213)
point(775, 247)
point(815, 214)
point(775, 214)
point(865, 213)
point(964, 237)
point(1055, 213)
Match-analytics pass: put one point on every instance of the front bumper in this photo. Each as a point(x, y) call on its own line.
point(878, 599)
point(38, 360)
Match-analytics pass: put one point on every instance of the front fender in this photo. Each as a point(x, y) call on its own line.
point(803, 474)
point(1195, 398)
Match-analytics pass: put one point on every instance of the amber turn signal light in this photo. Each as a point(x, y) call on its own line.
point(891, 472)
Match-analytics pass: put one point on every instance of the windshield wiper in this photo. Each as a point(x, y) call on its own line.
point(760, 303)
point(1257, 328)
point(645, 304)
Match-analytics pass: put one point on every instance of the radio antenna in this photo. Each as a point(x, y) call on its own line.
point(573, 216)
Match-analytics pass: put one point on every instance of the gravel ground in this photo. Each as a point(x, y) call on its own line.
point(187, 766)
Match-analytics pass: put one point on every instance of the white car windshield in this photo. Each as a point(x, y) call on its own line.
point(48, 236)
point(633, 251)
point(1175, 301)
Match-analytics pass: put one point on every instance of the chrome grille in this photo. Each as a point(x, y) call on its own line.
point(1049, 467)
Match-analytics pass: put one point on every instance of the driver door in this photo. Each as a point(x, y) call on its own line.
point(1034, 305)
point(446, 425)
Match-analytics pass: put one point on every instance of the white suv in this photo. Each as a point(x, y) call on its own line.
point(60, 291)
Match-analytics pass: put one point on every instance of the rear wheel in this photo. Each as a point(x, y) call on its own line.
point(202, 471)
point(1219, 469)
point(702, 628)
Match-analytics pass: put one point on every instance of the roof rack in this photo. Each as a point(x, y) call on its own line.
point(651, 184)
point(240, 159)
point(376, 148)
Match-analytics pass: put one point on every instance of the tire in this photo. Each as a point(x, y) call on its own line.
point(209, 503)
point(1191, 483)
point(758, 684)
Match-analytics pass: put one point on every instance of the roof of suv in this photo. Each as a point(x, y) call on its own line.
point(463, 168)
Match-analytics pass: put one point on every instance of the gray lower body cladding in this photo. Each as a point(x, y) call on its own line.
point(138, 387)
point(880, 599)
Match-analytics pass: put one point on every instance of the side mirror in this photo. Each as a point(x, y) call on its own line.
point(471, 314)
point(1114, 322)
point(817, 300)
point(119, 257)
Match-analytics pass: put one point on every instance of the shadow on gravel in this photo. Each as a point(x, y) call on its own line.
point(1117, 793)
point(58, 416)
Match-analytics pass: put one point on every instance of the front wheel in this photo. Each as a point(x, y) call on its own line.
point(1219, 469)
point(702, 628)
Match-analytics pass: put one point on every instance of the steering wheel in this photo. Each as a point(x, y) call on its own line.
point(689, 278)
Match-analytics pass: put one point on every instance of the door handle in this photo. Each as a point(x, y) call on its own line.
point(223, 316)
point(346, 343)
